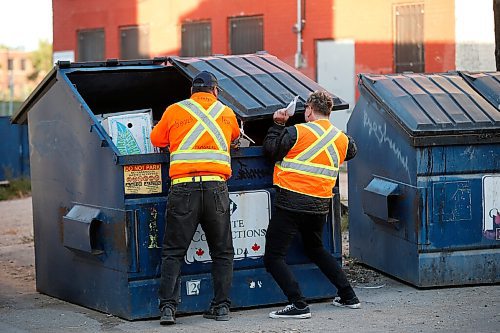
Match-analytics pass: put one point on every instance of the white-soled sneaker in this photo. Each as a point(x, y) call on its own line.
point(290, 311)
point(352, 303)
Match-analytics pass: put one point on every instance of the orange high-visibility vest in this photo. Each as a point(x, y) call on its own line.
point(312, 164)
point(198, 132)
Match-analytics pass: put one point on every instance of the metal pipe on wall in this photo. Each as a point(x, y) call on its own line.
point(299, 60)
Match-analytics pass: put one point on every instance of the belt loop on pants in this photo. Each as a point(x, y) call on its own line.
point(197, 179)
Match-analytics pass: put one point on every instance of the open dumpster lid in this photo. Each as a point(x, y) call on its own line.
point(487, 84)
point(21, 116)
point(433, 104)
point(254, 85)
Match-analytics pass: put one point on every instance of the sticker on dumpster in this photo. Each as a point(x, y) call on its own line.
point(193, 287)
point(250, 213)
point(491, 207)
point(142, 178)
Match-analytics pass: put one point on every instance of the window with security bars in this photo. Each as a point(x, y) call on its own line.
point(246, 34)
point(134, 42)
point(91, 45)
point(196, 39)
point(409, 38)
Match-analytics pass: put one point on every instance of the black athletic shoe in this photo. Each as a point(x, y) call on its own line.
point(167, 316)
point(352, 303)
point(290, 311)
point(219, 312)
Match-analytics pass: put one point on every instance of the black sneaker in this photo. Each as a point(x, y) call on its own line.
point(167, 316)
point(290, 311)
point(219, 312)
point(352, 303)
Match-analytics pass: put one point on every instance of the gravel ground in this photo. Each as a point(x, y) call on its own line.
point(387, 304)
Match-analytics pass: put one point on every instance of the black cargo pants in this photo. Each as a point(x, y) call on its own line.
point(282, 229)
point(190, 204)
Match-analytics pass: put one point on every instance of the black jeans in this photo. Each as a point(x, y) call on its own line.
point(190, 204)
point(281, 231)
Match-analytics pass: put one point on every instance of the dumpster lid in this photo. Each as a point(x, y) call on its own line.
point(432, 104)
point(254, 85)
point(486, 84)
point(21, 116)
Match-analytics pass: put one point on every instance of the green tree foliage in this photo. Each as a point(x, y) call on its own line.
point(41, 59)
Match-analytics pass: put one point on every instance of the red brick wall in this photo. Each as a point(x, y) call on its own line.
point(369, 23)
point(73, 15)
point(279, 19)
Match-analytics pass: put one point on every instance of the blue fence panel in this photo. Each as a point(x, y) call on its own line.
point(14, 151)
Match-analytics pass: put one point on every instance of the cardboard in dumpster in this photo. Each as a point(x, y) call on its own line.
point(130, 131)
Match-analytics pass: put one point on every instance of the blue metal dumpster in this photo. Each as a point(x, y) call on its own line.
point(487, 84)
point(14, 152)
point(99, 214)
point(424, 187)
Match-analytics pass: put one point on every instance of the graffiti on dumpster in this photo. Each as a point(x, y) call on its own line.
point(491, 207)
point(153, 229)
point(250, 213)
point(244, 172)
point(253, 284)
point(380, 133)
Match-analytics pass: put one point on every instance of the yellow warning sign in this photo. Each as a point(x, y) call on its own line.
point(142, 178)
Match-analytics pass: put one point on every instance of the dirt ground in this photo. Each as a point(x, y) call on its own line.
point(387, 304)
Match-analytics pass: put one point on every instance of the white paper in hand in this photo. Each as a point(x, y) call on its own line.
point(290, 109)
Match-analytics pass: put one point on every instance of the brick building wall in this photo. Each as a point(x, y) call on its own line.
point(165, 18)
point(371, 25)
point(16, 65)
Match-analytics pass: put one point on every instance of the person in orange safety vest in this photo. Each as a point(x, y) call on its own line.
point(198, 132)
point(308, 157)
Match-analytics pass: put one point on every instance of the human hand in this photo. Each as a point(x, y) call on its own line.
point(280, 116)
point(236, 143)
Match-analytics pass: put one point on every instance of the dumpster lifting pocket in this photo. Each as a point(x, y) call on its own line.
point(378, 200)
point(80, 229)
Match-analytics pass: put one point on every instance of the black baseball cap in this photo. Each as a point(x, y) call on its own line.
point(205, 79)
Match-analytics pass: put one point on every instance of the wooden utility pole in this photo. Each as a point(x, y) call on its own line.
point(496, 14)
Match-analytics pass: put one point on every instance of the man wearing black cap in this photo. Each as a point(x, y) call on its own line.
point(198, 132)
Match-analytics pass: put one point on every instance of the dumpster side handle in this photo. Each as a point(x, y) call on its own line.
point(80, 229)
point(378, 197)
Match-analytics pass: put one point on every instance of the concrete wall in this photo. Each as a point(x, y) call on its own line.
point(475, 35)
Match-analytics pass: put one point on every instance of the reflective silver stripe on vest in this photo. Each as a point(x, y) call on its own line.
point(319, 145)
point(316, 128)
point(325, 142)
point(213, 111)
point(333, 154)
point(309, 168)
point(194, 155)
